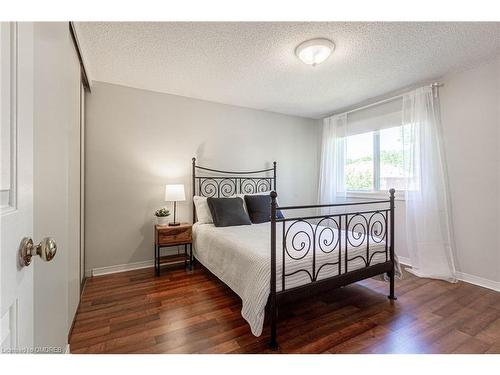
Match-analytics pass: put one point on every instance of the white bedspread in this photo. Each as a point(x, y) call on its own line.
point(240, 257)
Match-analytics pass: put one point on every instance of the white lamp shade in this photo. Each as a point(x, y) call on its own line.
point(174, 193)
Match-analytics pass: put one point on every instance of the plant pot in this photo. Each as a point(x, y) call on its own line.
point(162, 220)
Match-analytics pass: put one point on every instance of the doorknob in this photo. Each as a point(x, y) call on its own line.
point(47, 249)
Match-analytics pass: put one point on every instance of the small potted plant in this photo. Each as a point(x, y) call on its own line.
point(161, 216)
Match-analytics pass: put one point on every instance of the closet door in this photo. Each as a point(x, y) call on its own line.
point(56, 180)
point(82, 185)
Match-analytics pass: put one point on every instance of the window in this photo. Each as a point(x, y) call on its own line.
point(359, 169)
point(374, 161)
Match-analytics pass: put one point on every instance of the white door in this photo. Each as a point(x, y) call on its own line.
point(56, 209)
point(16, 163)
point(40, 184)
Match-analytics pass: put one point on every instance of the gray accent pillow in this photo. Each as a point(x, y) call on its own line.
point(228, 212)
point(259, 208)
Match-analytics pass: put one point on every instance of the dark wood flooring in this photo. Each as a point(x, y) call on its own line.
point(193, 312)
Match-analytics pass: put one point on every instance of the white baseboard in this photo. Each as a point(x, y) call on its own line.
point(99, 271)
point(465, 277)
point(120, 268)
point(480, 281)
point(404, 260)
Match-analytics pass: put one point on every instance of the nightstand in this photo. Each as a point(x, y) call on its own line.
point(168, 236)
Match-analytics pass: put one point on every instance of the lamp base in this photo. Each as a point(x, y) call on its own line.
point(173, 224)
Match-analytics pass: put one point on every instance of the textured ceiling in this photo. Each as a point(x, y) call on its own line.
point(254, 65)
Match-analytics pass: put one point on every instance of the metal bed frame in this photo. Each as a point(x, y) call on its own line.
point(361, 226)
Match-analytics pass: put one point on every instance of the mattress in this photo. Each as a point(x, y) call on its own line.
point(240, 257)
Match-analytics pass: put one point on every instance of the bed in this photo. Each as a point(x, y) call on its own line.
point(287, 259)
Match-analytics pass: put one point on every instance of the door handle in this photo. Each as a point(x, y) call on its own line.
point(47, 249)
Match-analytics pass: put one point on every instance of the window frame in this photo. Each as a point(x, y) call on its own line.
point(376, 193)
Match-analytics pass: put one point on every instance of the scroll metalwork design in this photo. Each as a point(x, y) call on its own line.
point(248, 186)
point(255, 185)
point(324, 235)
point(296, 272)
point(359, 233)
point(369, 229)
point(359, 230)
point(324, 242)
point(300, 241)
point(330, 234)
point(263, 185)
point(227, 187)
point(208, 187)
point(224, 187)
point(377, 224)
point(329, 239)
point(378, 232)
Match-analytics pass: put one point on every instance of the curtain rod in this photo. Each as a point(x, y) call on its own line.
point(433, 85)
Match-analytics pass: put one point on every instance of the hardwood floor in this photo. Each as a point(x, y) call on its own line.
point(193, 312)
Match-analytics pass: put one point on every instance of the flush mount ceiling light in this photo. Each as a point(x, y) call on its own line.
point(314, 51)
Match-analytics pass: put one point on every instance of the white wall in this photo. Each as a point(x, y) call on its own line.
point(56, 180)
point(470, 109)
point(470, 106)
point(137, 141)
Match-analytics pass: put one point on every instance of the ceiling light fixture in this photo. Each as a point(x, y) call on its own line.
point(314, 51)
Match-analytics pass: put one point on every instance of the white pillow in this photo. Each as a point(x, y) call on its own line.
point(203, 213)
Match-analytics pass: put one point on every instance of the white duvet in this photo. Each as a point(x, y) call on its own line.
point(240, 257)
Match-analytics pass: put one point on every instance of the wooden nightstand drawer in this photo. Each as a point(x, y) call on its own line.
point(173, 235)
point(180, 236)
point(167, 236)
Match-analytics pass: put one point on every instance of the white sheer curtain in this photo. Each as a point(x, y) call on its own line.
point(428, 216)
point(333, 154)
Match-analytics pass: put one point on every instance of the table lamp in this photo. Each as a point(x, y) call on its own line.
point(174, 193)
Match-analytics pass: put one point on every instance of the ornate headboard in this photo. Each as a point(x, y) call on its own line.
point(209, 182)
